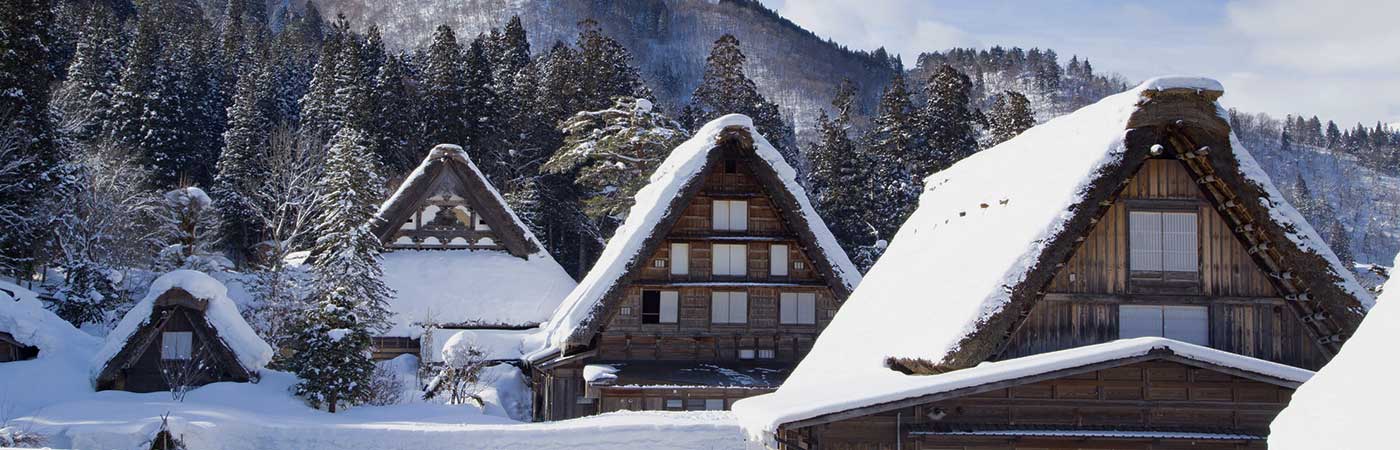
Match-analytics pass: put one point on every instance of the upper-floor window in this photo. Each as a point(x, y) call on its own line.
point(730, 259)
point(778, 259)
point(176, 345)
point(680, 258)
point(1183, 323)
point(660, 306)
point(731, 215)
point(1162, 243)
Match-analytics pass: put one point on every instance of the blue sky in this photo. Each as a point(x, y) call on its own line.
point(1337, 59)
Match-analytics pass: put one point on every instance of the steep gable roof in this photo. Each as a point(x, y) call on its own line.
point(462, 287)
point(660, 204)
point(238, 345)
point(990, 232)
point(447, 160)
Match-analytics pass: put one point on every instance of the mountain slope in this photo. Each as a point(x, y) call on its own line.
point(670, 39)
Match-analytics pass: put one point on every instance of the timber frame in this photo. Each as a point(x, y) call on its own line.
point(1184, 125)
point(784, 202)
point(222, 362)
point(451, 161)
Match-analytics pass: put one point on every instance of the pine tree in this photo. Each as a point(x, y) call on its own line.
point(1340, 241)
point(484, 130)
point(444, 91)
point(725, 89)
point(240, 164)
point(614, 151)
point(1009, 115)
point(605, 70)
point(350, 296)
point(26, 40)
point(86, 96)
point(1334, 136)
point(396, 132)
point(837, 178)
point(947, 123)
point(512, 51)
point(892, 144)
point(320, 117)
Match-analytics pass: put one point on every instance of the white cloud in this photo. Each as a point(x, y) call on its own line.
point(1320, 36)
point(906, 27)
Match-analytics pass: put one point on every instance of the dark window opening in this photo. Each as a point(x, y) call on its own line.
point(731, 166)
point(651, 306)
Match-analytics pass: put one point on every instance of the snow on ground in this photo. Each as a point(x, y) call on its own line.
point(683, 165)
point(237, 416)
point(253, 353)
point(65, 353)
point(1347, 406)
point(476, 287)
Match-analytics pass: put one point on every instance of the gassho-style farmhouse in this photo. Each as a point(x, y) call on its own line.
point(1121, 277)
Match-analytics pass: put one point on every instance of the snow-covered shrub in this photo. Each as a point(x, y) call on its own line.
point(458, 376)
point(12, 437)
point(189, 229)
point(385, 387)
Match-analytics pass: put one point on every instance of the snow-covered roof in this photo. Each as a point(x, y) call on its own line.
point(765, 413)
point(520, 286)
point(23, 317)
point(221, 313)
point(987, 223)
point(471, 288)
point(656, 201)
point(1347, 405)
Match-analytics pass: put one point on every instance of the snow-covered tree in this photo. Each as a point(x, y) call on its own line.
point(893, 147)
point(605, 70)
point(484, 140)
point(947, 121)
point(1009, 115)
point(350, 297)
point(189, 231)
point(444, 90)
point(396, 129)
point(85, 97)
point(241, 164)
point(725, 89)
point(26, 28)
point(614, 151)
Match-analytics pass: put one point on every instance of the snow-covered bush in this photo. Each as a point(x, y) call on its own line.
point(11, 437)
point(385, 387)
point(458, 376)
point(189, 229)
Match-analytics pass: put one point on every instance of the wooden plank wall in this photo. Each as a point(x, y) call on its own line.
point(1100, 265)
point(693, 337)
point(1161, 394)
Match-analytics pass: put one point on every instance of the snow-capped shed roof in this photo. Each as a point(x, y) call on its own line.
point(660, 203)
point(463, 287)
point(24, 318)
point(1347, 405)
point(990, 231)
point(248, 351)
point(767, 412)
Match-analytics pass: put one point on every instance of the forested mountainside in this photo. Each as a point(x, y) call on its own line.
point(669, 38)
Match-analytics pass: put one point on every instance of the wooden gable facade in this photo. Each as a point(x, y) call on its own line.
point(723, 300)
point(448, 204)
point(1173, 241)
point(12, 349)
point(176, 345)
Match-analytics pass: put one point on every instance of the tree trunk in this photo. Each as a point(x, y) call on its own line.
point(331, 400)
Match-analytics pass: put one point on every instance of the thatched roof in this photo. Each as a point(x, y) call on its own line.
point(446, 160)
point(991, 232)
point(660, 204)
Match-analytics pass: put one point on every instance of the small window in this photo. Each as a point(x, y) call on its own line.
point(1162, 242)
point(729, 307)
point(675, 404)
point(799, 265)
point(730, 215)
point(680, 258)
point(746, 353)
point(660, 306)
point(767, 353)
point(481, 223)
point(625, 311)
point(176, 345)
point(658, 263)
point(1189, 324)
point(583, 400)
point(694, 404)
point(730, 259)
point(714, 404)
point(797, 308)
point(778, 258)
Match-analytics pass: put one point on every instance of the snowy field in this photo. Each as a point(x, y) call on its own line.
point(234, 416)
